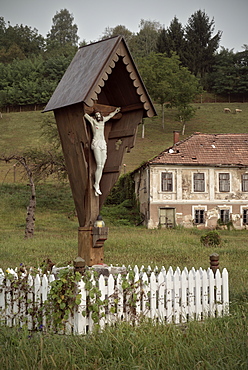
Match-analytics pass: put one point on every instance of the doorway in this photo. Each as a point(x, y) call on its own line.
point(167, 217)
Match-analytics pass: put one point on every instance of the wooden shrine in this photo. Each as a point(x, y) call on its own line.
point(101, 77)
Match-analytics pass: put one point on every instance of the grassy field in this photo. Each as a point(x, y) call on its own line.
point(19, 131)
point(214, 344)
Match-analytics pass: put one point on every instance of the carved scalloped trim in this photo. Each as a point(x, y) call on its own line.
point(120, 52)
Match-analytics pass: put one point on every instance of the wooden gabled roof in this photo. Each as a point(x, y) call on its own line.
point(207, 150)
point(102, 72)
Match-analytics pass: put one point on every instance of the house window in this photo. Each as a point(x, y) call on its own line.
point(199, 216)
point(199, 182)
point(245, 182)
point(224, 182)
point(224, 216)
point(166, 181)
point(245, 216)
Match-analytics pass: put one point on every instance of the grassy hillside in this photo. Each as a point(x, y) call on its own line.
point(19, 131)
point(209, 118)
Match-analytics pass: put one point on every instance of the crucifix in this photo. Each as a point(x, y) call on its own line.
point(98, 106)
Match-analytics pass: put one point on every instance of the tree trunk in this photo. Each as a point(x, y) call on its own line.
point(143, 129)
point(183, 130)
point(30, 219)
point(163, 116)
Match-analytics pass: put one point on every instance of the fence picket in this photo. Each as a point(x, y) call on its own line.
point(80, 321)
point(184, 294)
point(145, 305)
point(169, 292)
point(119, 297)
point(205, 298)
point(30, 302)
point(161, 296)
point(2, 294)
point(111, 315)
point(137, 296)
point(44, 292)
point(102, 288)
point(225, 291)
point(9, 315)
point(153, 295)
point(218, 282)
point(191, 295)
point(211, 292)
point(198, 288)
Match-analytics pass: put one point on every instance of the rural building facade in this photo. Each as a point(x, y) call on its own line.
point(201, 181)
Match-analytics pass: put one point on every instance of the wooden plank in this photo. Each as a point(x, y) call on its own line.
point(111, 169)
point(75, 137)
point(132, 107)
point(127, 124)
point(92, 256)
point(103, 109)
point(121, 133)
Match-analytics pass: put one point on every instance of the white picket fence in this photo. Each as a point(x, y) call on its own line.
point(166, 296)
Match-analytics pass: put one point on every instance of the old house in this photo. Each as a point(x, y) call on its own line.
point(201, 181)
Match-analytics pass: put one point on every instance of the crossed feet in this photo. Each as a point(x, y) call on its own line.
point(97, 190)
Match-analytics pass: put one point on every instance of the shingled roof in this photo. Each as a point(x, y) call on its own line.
point(207, 149)
point(102, 72)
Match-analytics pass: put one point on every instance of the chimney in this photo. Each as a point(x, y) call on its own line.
point(176, 136)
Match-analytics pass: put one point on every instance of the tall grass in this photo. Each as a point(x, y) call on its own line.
point(213, 344)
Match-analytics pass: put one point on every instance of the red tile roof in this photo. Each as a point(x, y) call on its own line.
point(207, 149)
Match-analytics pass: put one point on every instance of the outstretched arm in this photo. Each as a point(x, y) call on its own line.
point(112, 114)
point(90, 119)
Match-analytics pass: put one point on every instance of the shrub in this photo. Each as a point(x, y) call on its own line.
point(211, 239)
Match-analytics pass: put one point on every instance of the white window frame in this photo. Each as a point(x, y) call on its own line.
point(242, 208)
point(245, 173)
point(228, 208)
point(173, 182)
point(230, 181)
point(193, 182)
point(196, 208)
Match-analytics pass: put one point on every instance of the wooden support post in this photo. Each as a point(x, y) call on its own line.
point(90, 244)
point(214, 262)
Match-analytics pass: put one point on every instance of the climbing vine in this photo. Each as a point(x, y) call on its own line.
point(63, 297)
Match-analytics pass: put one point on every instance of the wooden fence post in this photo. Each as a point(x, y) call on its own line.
point(214, 262)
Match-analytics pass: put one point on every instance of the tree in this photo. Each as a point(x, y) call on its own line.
point(222, 77)
point(241, 64)
point(122, 31)
point(146, 38)
point(63, 31)
point(168, 82)
point(19, 42)
point(201, 45)
point(172, 40)
point(39, 164)
point(230, 73)
point(30, 218)
point(116, 31)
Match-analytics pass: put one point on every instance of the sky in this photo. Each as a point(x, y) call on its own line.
point(93, 17)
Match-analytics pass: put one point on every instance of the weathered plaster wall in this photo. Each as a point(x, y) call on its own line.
point(185, 201)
